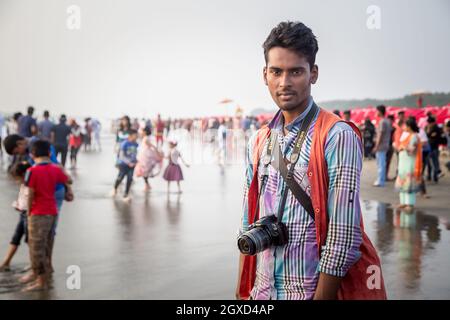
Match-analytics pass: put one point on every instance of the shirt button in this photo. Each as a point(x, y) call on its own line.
point(310, 174)
point(317, 210)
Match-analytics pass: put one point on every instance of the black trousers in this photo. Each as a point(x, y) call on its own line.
point(124, 171)
point(63, 150)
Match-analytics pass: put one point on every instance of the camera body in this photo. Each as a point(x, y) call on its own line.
point(262, 234)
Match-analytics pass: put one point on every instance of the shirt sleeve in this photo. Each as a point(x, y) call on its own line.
point(247, 183)
point(61, 177)
point(53, 158)
point(29, 179)
point(343, 153)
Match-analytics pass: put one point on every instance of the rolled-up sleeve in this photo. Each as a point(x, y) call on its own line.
point(343, 153)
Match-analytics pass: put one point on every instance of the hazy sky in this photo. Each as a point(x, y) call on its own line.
point(181, 58)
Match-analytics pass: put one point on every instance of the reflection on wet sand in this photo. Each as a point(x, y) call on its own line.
point(413, 247)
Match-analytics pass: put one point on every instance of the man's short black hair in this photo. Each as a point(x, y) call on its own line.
point(30, 110)
point(294, 36)
point(347, 112)
point(10, 143)
point(46, 114)
point(41, 148)
point(401, 113)
point(382, 109)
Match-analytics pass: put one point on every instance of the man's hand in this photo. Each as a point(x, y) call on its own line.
point(327, 287)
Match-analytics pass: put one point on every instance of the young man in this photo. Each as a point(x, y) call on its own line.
point(327, 252)
point(127, 161)
point(41, 181)
point(382, 145)
point(391, 148)
point(27, 124)
point(60, 138)
point(435, 138)
point(45, 127)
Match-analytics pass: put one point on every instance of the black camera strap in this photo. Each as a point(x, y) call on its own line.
point(288, 174)
point(266, 161)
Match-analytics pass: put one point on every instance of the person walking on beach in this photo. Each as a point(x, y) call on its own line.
point(126, 163)
point(87, 134)
point(75, 142)
point(409, 165)
point(45, 127)
point(148, 159)
point(391, 148)
point(302, 183)
point(27, 125)
point(425, 160)
point(382, 145)
point(173, 172)
point(435, 138)
point(60, 138)
point(96, 130)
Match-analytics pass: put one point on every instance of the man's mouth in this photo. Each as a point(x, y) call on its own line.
point(285, 94)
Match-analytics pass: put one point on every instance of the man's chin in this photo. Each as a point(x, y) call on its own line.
point(287, 106)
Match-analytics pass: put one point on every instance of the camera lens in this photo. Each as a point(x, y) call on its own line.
point(246, 245)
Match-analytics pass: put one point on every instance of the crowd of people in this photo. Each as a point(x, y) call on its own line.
point(145, 159)
point(37, 157)
point(416, 144)
point(66, 135)
point(38, 154)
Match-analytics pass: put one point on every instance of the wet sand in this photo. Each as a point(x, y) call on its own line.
point(170, 246)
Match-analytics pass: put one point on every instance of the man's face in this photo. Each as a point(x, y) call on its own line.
point(21, 147)
point(289, 78)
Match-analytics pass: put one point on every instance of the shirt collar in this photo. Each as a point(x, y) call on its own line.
point(277, 121)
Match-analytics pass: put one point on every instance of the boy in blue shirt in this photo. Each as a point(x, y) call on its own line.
point(126, 163)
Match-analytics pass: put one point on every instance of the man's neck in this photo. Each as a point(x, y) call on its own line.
point(41, 160)
point(291, 115)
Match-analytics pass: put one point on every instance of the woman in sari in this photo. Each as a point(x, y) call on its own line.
point(409, 165)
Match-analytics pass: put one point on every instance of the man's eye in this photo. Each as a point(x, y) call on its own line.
point(276, 72)
point(297, 72)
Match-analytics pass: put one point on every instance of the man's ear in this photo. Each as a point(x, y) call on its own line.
point(265, 75)
point(314, 74)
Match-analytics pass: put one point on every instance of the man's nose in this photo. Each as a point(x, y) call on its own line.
point(285, 80)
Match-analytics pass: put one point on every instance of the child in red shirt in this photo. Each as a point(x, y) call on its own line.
point(41, 180)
